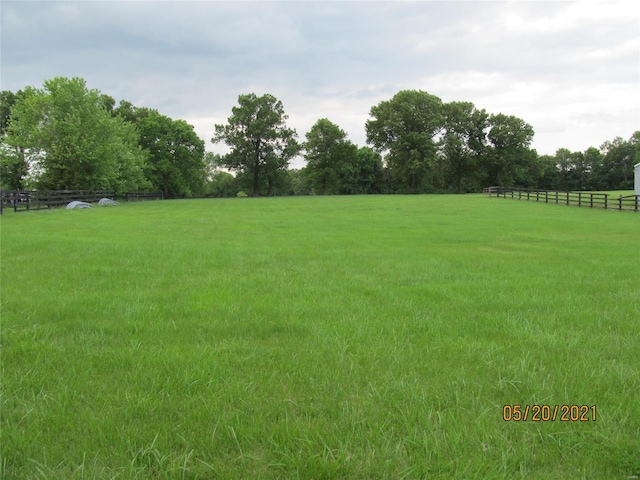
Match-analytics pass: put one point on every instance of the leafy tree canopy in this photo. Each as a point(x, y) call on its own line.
point(329, 154)
point(406, 128)
point(175, 162)
point(69, 140)
point(261, 143)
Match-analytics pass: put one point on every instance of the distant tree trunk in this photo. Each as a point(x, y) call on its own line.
point(270, 185)
point(412, 183)
point(256, 176)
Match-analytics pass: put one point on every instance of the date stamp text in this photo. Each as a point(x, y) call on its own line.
point(549, 413)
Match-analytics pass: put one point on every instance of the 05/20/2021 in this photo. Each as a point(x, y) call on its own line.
point(549, 413)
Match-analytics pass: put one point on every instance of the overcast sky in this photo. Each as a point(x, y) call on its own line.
point(570, 69)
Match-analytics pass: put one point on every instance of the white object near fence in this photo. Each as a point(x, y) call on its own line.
point(106, 201)
point(77, 204)
point(637, 178)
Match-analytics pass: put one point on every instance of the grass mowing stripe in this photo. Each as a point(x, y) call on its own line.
point(337, 337)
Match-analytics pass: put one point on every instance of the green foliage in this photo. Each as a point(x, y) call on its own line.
point(430, 146)
point(221, 184)
point(406, 128)
point(509, 156)
point(130, 112)
point(66, 136)
point(69, 140)
point(329, 155)
point(14, 161)
point(175, 162)
point(299, 182)
point(364, 174)
point(7, 101)
point(13, 168)
point(261, 143)
point(461, 146)
point(608, 168)
point(176, 155)
point(616, 170)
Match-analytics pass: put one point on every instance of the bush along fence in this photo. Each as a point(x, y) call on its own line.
point(24, 200)
point(580, 199)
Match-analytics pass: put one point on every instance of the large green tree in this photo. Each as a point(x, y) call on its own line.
point(405, 128)
point(364, 174)
point(261, 143)
point(619, 156)
point(7, 100)
point(176, 155)
point(329, 154)
point(508, 160)
point(13, 163)
point(71, 141)
point(461, 146)
point(572, 170)
point(176, 158)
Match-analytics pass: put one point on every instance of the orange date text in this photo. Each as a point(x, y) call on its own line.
point(549, 413)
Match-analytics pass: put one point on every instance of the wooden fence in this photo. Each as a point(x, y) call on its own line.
point(580, 199)
point(137, 196)
point(23, 200)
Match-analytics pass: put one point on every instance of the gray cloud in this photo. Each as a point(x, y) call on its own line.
point(571, 69)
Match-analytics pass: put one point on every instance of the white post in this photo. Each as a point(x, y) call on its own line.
point(637, 178)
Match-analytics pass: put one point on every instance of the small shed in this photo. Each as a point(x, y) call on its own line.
point(637, 178)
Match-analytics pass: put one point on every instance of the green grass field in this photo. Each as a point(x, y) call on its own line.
point(368, 337)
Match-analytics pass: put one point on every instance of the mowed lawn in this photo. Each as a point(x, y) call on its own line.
point(365, 337)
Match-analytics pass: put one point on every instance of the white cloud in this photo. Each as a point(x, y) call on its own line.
point(571, 69)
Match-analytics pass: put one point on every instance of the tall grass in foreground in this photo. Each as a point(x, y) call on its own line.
point(338, 337)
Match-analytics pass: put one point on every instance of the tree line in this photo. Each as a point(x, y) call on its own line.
point(67, 136)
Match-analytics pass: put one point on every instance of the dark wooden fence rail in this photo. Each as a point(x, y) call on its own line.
point(43, 199)
point(137, 196)
point(23, 200)
point(580, 199)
